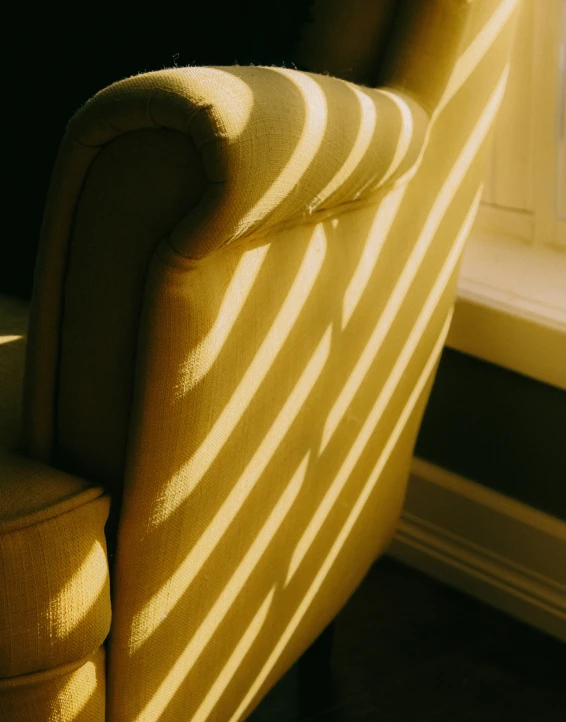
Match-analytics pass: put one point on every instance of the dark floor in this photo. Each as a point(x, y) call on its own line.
point(409, 649)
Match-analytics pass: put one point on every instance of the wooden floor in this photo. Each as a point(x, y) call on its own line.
point(409, 649)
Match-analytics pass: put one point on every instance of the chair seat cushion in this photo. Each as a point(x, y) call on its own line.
point(54, 579)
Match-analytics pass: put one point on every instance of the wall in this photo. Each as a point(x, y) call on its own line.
point(62, 60)
point(498, 428)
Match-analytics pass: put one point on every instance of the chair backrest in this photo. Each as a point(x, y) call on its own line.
point(346, 39)
point(245, 282)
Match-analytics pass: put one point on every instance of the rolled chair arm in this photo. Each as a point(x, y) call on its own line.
point(275, 144)
point(272, 145)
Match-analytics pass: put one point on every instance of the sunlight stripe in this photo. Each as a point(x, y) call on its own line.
point(365, 138)
point(164, 600)
point(217, 613)
point(183, 482)
point(79, 689)
point(209, 348)
point(405, 135)
point(386, 213)
point(235, 660)
point(308, 145)
point(348, 525)
point(413, 264)
point(363, 141)
point(418, 330)
point(464, 66)
point(475, 51)
point(94, 567)
point(9, 339)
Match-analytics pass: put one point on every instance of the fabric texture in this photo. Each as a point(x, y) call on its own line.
point(424, 43)
point(265, 331)
point(71, 693)
point(315, 159)
point(54, 583)
point(145, 181)
point(346, 39)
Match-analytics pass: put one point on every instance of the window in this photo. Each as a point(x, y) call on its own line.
point(511, 307)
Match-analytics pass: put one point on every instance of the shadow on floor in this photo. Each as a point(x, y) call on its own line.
point(410, 649)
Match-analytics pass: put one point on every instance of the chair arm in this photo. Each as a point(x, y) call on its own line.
point(275, 144)
point(54, 583)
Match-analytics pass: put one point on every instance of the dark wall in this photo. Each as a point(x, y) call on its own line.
point(500, 429)
point(63, 54)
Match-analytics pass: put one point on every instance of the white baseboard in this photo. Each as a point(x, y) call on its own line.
point(499, 550)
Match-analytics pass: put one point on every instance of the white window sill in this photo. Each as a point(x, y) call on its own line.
point(511, 307)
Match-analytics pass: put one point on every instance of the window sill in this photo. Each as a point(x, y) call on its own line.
point(511, 307)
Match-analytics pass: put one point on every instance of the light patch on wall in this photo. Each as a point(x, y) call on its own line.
point(9, 339)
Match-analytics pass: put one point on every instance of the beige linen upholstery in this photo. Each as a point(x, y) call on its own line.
point(54, 593)
point(54, 581)
point(74, 692)
point(245, 281)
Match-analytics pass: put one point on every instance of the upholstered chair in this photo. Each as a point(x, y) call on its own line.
point(245, 280)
